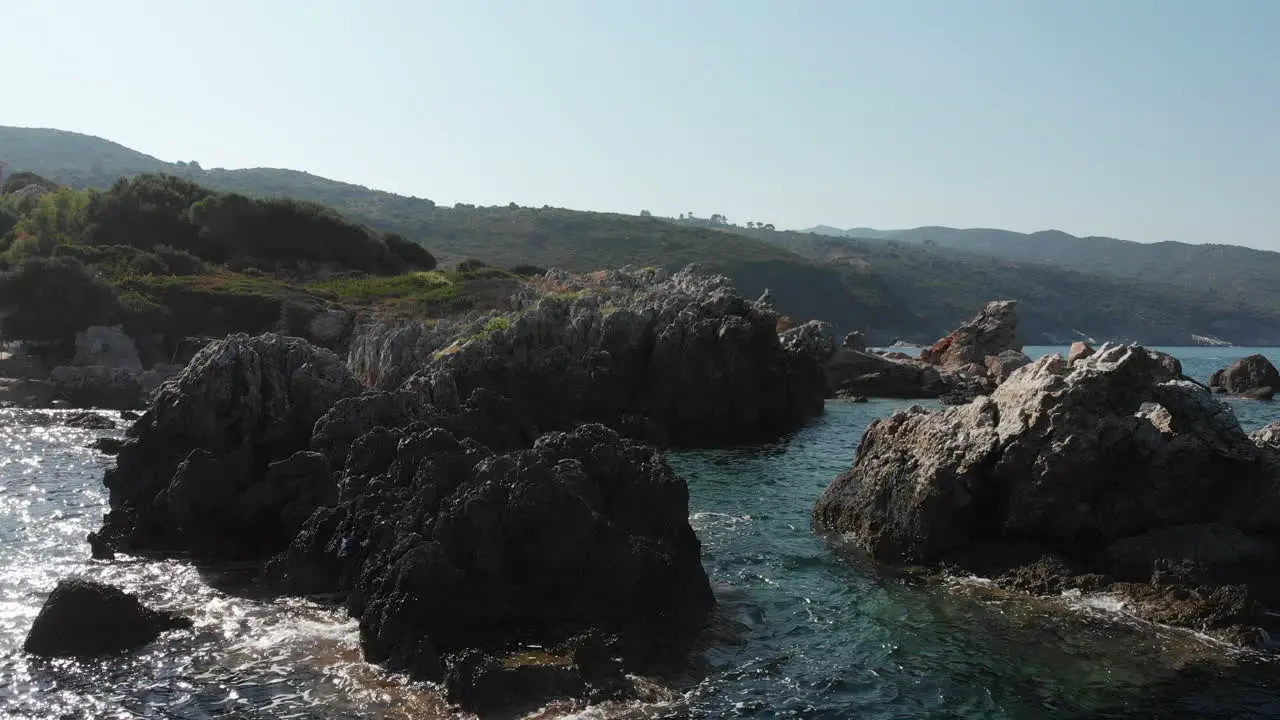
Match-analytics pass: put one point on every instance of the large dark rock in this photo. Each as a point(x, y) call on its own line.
point(702, 365)
point(82, 618)
point(442, 546)
point(1253, 375)
point(1106, 463)
point(200, 472)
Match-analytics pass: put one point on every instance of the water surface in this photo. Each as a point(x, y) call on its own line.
point(803, 629)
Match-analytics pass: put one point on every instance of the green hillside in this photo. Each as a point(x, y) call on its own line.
point(911, 284)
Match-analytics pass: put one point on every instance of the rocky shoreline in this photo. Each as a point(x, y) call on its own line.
point(473, 488)
point(1109, 474)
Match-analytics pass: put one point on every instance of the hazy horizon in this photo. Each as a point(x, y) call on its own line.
point(1143, 120)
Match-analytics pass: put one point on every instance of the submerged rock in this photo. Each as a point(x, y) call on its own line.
point(1252, 376)
point(1101, 462)
point(82, 618)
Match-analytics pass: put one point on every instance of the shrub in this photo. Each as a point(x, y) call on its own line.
point(54, 298)
point(410, 253)
point(528, 270)
point(19, 180)
point(180, 262)
point(470, 265)
point(145, 211)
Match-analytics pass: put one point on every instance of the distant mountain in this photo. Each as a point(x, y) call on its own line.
point(1228, 270)
point(915, 284)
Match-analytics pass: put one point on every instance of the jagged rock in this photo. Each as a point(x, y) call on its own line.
point(107, 445)
point(198, 476)
point(1268, 436)
point(700, 363)
point(442, 546)
point(330, 328)
point(855, 341)
point(850, 372)
point(98, 386)
point(89, 421)
point(1079, 351)
point(187, 348)
point(1253, 374)
point(1069, 458)
point(1170, 366)
point(999, 367)
point(990, 332)
point(107, 347)
point(82, 618)
point(812, 339)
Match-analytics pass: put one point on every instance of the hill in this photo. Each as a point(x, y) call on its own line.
point(913, 284)
point(1228, 270)
point(503, 236)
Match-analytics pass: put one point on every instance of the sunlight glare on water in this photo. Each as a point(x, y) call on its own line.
point(803, 629)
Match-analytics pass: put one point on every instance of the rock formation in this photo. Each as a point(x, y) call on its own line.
point(441, 546)
point(1253, 376)
point(81, 618)
point(106, 347)
point(990, 332)
point(857, 373)
point(210, 467)
point(497, 495)
point(1127, 478)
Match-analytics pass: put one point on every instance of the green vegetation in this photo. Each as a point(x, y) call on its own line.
point(915, 285)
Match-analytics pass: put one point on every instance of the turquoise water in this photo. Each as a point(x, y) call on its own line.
point(803, 630)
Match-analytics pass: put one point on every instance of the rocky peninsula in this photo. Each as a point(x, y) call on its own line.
point(507, 493)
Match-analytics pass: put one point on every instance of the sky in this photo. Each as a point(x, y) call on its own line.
point(1147, 120)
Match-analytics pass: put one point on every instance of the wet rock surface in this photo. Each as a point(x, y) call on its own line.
point(85, 619)
point(1131, 481)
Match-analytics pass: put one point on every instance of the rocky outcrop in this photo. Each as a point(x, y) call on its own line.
point(1079, 351)
point(212, 467)
point(112, 388)
point(684, 358)
point(1253, 376)
point(442, 546)
point(107, 347)
point(856, 373)
point(1000, 367)
point(990, 332)
point(1106, 464)
point(81, 618)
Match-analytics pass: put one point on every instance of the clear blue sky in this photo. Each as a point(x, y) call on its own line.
point(1143, 119)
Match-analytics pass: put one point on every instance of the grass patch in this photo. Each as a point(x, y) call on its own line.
point(430, 286)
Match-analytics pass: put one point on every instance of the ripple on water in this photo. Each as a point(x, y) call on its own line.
point(802, 630)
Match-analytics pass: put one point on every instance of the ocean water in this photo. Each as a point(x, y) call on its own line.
point(803, 629)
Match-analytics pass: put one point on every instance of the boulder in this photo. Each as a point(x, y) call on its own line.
point(990, 332)
point(89, 421)
point(1079, 351)
point(82, 618)
point(99, 386)
point(851, 372)
point(1069, 458)
point(1170, 366)
point(1247, 375)
point(855, 341)
point(107, 347)
point(813, 339)
point(441, 546)
point(999, 367)
point(187, 348)
point(199, 472)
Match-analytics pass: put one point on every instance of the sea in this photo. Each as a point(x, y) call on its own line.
point(803, 628)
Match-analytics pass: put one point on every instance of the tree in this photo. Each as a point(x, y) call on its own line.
point(751, 224)
point(718, 219)
point(645, 214)
point(54, 298)
point(768, 227)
